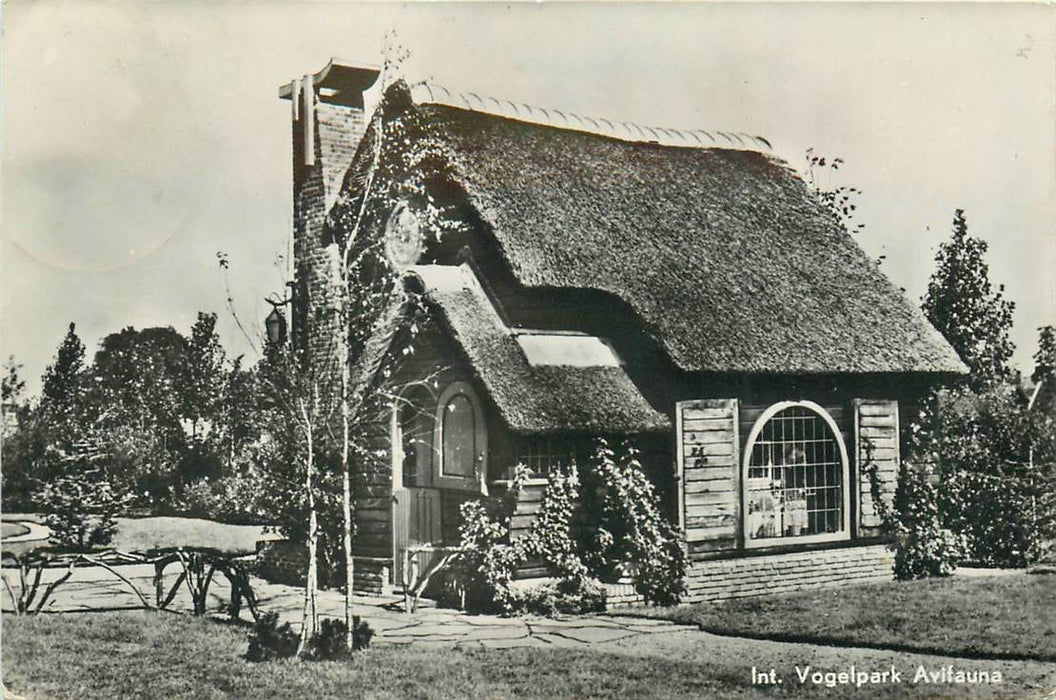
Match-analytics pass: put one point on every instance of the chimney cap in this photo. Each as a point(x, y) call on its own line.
point(340, 81)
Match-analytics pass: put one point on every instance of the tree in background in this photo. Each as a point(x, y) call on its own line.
point(62, 418)
point(201, 386)
point(62, 402)
point(979, 437)
point(1043, 448)
point(1045, 357)
point(962, 305)
point(137, 376)
point(11, 383)
point(14, 415)
point(166, 416)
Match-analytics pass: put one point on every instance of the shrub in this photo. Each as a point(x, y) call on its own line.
point(992, 460)
point(924, 547)
point(623, 525)
point(81, 509)
point(489, 561)
point(330, 642)
point(230, 499)
point(994, 513)
point(269, 641)
point(586, 529)
point(574, 596)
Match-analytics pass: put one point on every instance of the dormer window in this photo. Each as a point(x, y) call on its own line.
point(460, 439)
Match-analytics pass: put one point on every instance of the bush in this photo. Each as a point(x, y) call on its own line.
point(486, 567)
point(924, 547)
point(269, 641)
point(992, 458)
point(589, 529)
point(994, 513)
point(624, 526)
point(81, 508)
point(229, 499)
point(330, 642)
point(565, 596)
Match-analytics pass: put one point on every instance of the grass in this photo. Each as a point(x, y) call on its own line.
point(999, 617)
point(158, 655)
point(140, 534)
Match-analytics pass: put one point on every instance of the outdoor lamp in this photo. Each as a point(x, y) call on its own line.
point(275, 326)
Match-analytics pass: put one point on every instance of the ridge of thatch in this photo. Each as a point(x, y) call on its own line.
point(724, 255)
point(532, 399)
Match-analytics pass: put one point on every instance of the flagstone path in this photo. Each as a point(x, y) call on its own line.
point(92, 588)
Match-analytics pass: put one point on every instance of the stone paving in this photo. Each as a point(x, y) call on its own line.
point(93, 588)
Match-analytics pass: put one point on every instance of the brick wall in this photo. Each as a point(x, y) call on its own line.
point(285, 561)
point(745, 577)
point(372, 576)
point(338, 130)
point(742, 577)
point(282, 561)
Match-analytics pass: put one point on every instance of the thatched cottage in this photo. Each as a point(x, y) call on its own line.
point(685, 289)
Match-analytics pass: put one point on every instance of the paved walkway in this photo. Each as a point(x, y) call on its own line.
point(35, 532)
point(93, 588)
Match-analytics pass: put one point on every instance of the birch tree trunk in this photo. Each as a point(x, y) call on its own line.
point(310, 614)
point(346, 491)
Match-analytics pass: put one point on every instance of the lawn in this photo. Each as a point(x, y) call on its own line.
point(160, 655)
point(141, 534)
point(990, 617)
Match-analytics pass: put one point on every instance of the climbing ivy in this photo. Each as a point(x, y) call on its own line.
point(600, 521)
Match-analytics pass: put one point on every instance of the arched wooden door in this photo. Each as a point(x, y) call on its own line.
point(415, 502)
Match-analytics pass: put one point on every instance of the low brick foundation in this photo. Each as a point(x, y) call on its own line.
point(622, 594)
point(282, 561)
point(706, 581)
point(285, 561)
point(742, 577)
point(372, 576)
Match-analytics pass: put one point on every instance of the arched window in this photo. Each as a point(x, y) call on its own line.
point(795, 477)
point(460, 451)
point(461, 439)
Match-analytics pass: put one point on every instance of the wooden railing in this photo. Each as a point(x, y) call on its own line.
point(414, 578)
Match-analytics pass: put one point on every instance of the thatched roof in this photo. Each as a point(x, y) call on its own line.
point(531, 398)
point(723, 254)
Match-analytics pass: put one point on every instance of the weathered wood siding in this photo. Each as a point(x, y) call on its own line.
point(709, 456)
point(877, 453)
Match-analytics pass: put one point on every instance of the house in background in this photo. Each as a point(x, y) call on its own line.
point(682, 289)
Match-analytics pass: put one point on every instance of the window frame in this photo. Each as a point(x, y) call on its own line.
point(845, 486)
point(562, 447)
point(397, 431)
point(478, 482)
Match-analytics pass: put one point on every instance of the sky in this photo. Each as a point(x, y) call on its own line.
point(138, 140)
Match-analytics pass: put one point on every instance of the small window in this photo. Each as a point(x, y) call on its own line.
point(410, 448)
point(461, 439)
point(796, 477)
point(544, 454)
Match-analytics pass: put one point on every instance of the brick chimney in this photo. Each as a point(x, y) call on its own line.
point(328, 122)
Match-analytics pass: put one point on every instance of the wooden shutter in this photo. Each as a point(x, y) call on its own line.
point(876, 446)
point(709, 469)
